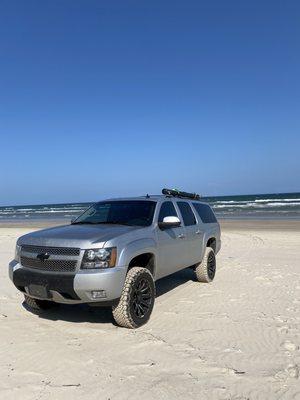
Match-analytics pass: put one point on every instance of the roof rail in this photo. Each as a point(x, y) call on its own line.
point(178, 193)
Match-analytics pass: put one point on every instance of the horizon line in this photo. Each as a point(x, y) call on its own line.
point(91, 202)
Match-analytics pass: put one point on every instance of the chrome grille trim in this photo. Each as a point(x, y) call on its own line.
point(52, 257)
point(63, 251)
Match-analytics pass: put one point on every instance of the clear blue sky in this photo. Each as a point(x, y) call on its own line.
point(104, 98)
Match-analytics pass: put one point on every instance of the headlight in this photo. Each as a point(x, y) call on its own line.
point(17, 253)
point(99, 258)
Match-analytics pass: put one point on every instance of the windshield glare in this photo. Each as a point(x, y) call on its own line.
point(132, 212)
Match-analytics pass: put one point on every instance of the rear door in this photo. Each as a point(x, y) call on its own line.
point(209, 222)
point(194, 234)
point(171, 243)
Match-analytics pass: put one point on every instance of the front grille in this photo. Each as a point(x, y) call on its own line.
point(59, 251)
point(49, 265)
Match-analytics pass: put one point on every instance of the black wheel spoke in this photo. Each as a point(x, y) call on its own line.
point(211, 266)
point(145, 303)
point(142, 298)
point(142, 285)
point(140, 311)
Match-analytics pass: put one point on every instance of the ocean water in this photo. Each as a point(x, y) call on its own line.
point(266, 206)
point(261, 206)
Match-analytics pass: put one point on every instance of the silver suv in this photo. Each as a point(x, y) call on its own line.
point(112, 254)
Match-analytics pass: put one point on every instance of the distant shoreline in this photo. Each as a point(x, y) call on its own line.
point(284, 206)
point(279, 224)
point(204, 198)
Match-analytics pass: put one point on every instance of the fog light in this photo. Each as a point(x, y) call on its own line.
point(98, 294)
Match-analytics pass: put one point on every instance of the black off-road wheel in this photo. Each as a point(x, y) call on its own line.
point(37, 304)
point(206, 270)
point(137, 299)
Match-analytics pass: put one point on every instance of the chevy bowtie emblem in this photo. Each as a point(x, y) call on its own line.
point(43, 256)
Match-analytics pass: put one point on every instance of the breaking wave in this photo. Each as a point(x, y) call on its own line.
point(274, 205)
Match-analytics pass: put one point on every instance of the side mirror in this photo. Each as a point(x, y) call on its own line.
point(169, 222)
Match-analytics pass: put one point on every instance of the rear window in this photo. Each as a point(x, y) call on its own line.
point(187, 213)
point(205, 213)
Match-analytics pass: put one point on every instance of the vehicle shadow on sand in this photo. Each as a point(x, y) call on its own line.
point(81, 313)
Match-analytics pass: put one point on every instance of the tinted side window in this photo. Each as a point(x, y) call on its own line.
point(167, 210)
point(187, 213)
point(205, 213)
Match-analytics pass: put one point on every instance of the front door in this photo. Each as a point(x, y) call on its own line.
point(194, 233)
point(171, 243)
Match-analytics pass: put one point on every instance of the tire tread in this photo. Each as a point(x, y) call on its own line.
point(37, 304)
point(121, 312)
point(201, 268)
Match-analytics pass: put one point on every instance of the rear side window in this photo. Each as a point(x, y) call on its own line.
point(167, 210)
point(205, 213)
point(187, 213)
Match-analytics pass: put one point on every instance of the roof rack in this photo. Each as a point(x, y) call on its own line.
point(178, 193)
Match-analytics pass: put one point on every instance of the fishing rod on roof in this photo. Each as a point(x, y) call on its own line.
point(179, 193)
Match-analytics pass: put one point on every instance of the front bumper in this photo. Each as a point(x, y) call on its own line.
point(71, 288)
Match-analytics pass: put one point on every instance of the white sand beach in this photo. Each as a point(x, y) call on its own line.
point(236, 338)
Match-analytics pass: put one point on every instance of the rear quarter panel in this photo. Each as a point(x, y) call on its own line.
point(213, 231)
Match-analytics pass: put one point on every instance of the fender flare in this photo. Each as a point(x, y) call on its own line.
point(136, 248)
point(206, 237)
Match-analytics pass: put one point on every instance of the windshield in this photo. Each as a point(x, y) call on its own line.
point(123, 212)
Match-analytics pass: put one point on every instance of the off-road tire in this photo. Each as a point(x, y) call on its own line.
point(37, 304)
point(125, 313)
point(206, 270)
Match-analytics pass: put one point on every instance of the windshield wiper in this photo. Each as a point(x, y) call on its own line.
point(113, 223)
point(83, 222)
point(102, 222)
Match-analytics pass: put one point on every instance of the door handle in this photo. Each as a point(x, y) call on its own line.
point(181, 236)
point(198, 232)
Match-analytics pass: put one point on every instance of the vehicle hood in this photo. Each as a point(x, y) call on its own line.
point(80, 236)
